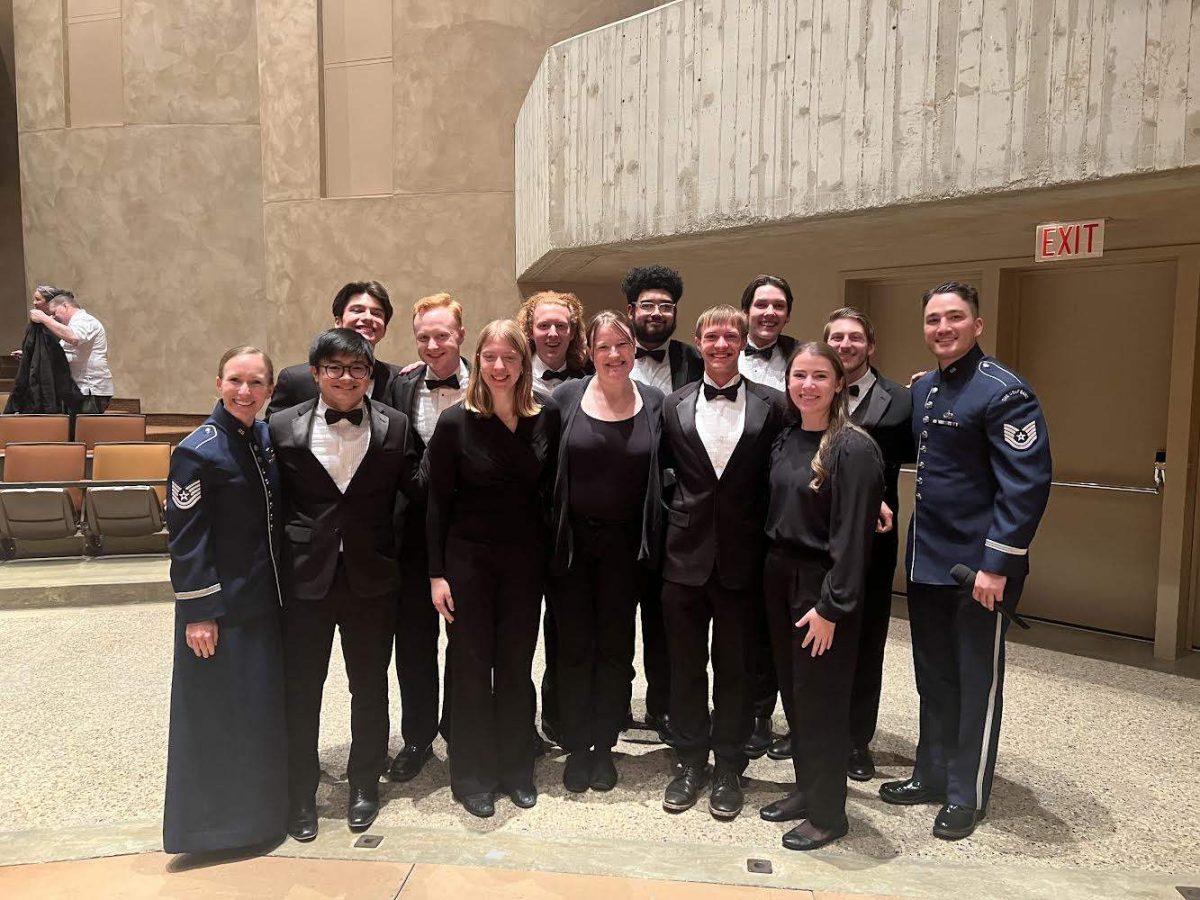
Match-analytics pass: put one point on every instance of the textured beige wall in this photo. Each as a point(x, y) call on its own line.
point(156, 224)
point(700, 116)
point(12, 260)
point(461, 70)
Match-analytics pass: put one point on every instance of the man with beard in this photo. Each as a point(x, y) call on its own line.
point(767, 303)
point(653, 294)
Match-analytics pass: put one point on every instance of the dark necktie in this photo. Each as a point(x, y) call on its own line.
point(764, 352)
point(657, 355)
point(354, 416)
point(853, 389)
point(434, 383)
point(729, 392)
point(555, 375)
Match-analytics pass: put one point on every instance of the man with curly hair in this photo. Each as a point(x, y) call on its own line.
point(553, 323)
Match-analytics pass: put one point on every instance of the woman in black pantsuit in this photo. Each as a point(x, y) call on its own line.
point(606, 520)
point(491, 461)
point(826, 488)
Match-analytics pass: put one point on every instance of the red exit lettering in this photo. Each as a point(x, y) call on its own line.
point(1069, 240)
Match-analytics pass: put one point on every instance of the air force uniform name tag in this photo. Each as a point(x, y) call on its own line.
point(187, 496)
point(1021, 438)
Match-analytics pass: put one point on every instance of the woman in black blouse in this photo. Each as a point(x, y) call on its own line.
point(491, 460)
point(826, 488)
point(606, 519)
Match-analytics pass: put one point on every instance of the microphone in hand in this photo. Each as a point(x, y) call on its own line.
point(965, 576)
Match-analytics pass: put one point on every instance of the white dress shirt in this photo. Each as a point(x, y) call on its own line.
point(864, 383)
point(431, 404)
point(654, 374)
point(340, 448)
point(89, 358)
point(720, 423)
point(771, 371)
point(539, 368)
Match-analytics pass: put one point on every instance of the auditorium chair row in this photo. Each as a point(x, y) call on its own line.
point(96, 512)
point(89, 429)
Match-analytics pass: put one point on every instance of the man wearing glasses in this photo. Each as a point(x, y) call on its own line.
point(345, 463)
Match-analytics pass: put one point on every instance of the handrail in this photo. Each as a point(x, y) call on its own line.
point(1086, 485)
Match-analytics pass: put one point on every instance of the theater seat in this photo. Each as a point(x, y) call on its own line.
point(133, 511)
point(94, 429)
point(35, 428)
point(40, 514)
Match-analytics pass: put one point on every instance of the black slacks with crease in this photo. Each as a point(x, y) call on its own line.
point(497, 600)
point(688, 612)
point(366, 625)
point(594, 608)
point(417, 633)
point(656, 661)
point(819, 707)
point(876, 616)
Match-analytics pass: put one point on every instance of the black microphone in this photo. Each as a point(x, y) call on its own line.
point(965, 576)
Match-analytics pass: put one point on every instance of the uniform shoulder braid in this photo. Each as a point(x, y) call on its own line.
point(200, 437)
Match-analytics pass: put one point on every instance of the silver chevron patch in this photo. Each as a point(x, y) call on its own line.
point(189, 495)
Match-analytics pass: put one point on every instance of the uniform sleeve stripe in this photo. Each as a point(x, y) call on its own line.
point(1004, 548)
point(196, 595)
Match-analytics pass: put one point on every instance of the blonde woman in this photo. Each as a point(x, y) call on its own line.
point(491, 459)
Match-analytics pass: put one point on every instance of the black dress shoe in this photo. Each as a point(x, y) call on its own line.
point(727, 799)
point(603, 775)
point(302, 822)
point(790, 809)
point(781, 749)
point(954, 823)
point(760, 739)
point(408, 763)
point(524, 796)
point(661, 723)
point(481, 805)
point(807, 836)
point(909, 792)
point(362, 808)
point(684, 789)
point(577, 775)
point(860, 767)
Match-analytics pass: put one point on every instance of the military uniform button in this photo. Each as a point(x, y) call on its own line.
point(918, 495)
point(928, 404)
point(920, 480)
point(925, 418)
point(924, 434)
point(920, 465)
point(935, 390)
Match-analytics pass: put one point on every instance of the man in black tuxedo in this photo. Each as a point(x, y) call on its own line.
point(653, 294)
point(883, 409)
point(717, 438)
point(361, 306)
point(346, 473)
point(423, 394)
point(553, 323)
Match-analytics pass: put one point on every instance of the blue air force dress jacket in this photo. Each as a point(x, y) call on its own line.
point(983, 471)
point(224, 522)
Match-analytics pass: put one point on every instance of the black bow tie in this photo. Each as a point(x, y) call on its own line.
point(555, 375)
point(764, 352)
point(434, 383)
point(354, 416)
point(853, 389)
point(657, 355)
point(729, 392)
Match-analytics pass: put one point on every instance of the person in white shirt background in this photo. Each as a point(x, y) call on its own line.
point(767, 303)
point(86, 346)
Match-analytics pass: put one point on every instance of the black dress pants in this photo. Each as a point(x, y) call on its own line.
point(688, 612)
point(958, 655)
point(417, 632)
point(656, 659)
point(764, 685)
point(550, 717)
point(594, 608)
point(877, 615)
point(366, 625)
point(819, 708)
point(497, 598)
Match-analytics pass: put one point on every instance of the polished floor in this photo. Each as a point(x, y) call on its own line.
point(1096, 793)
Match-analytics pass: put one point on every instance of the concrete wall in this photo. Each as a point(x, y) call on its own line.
point(12, 261)
point(711, 114)
point(156, 223)
point(461, 71)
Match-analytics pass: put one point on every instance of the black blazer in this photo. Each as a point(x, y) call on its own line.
point(566, 401)
point(295, 384)
point(367, 519)
point(686, 363)
point(886, 414)
point(402, 395)
point(715, 522)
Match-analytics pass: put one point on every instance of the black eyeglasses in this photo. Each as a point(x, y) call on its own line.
point(356, 370)
point(649, 306)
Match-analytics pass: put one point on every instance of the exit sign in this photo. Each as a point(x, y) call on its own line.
point(1069, 240)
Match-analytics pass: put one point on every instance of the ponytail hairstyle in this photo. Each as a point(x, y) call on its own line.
point(839, 409)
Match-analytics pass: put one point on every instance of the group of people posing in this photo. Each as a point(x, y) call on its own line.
point(742, 485)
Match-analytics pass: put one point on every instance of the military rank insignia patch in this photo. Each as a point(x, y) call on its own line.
point(189, 495)
point(1020, 438)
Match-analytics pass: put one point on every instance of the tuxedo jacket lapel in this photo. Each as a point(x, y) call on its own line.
point(871, 410)
point(302, 427)
point(756, 415)
point(687, 422)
